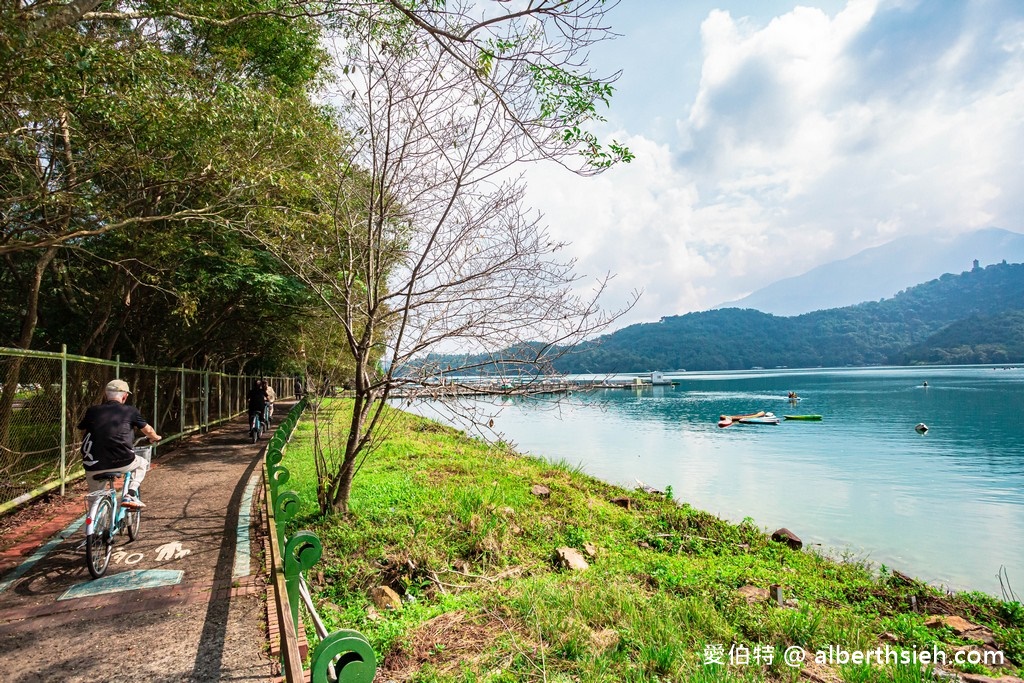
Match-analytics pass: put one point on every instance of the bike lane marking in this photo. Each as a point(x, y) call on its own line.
point(39, 554)
point(130, 580)
point(242, 549)
point(134, 579)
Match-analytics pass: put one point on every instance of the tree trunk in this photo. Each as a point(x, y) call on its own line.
point(343, 482)
point(66, 15)
point(344, 487)
point(354, 443)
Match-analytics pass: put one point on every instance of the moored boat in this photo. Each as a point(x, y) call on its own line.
point(726, 420)
point(765, 419)
point(803, 417)
point(759, 413)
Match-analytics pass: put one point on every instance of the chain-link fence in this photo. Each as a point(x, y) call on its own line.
point(44, 395)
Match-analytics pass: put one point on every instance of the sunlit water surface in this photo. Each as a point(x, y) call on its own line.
point(946, 506)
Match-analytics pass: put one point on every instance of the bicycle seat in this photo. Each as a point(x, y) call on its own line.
point(108, 476)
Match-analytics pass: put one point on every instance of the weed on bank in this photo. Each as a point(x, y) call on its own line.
point(453, 526)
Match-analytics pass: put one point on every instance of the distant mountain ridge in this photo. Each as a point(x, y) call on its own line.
point(971, 317)
point(881, 272)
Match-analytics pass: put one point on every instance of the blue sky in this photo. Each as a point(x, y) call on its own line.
point(772, 137)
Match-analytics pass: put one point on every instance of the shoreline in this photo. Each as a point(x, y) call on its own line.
point(940, 505)
point(461, 533)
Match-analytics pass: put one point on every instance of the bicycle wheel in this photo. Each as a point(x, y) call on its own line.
point(133, 522)
point(99, 543)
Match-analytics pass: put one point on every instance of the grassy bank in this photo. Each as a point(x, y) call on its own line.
point(450, 523)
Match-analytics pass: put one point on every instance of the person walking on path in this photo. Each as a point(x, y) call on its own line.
point(107, 444)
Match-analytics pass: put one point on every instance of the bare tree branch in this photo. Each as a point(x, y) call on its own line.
point(429, 245)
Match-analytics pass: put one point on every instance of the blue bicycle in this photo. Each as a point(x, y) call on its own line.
point(256, 426)
point(107, 518)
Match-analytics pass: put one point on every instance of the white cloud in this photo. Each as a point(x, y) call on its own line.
point(810, 137)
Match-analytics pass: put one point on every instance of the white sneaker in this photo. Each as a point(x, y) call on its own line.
point(131, 502)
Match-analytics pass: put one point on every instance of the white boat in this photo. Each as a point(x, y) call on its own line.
point(766, 419)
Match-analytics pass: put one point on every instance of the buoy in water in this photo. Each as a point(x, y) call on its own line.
point(921, 428)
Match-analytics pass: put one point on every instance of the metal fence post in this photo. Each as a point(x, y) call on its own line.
point(63, 416)
point(156, 402)
point(206, 400)
point(181, 412)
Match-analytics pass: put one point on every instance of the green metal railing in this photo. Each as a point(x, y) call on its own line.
point(344, 656)
point(44, 394)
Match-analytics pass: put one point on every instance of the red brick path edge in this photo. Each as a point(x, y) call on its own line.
point(273, 627)
point(28, 528)
point(32, 536)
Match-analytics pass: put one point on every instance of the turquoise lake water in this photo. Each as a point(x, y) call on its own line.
point(946, 506)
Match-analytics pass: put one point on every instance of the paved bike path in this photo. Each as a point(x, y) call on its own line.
point(207, 623)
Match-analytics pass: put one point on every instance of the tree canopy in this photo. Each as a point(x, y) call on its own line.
point(129, 143)
point(256, 183)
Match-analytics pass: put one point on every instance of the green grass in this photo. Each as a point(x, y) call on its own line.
point(32, 453)
point(449, 522)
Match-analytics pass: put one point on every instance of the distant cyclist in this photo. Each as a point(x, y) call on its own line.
point(271, 397)
point(107, 443)
point(257, 399)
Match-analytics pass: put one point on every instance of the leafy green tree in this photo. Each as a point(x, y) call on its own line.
point(119, 126)
point(134, 122)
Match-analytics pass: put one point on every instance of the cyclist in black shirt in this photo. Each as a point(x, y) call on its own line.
point(257, 399)
point(107, 444)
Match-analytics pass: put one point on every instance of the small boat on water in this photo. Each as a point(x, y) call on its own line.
point(766, 419)
point(726, 420)
point(814, 418)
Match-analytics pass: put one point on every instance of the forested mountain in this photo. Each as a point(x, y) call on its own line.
point(978, 339)
point(882, 271)
point(977, 316)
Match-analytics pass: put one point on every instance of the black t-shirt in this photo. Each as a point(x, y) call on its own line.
point(109, 434)
point(257, 399)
